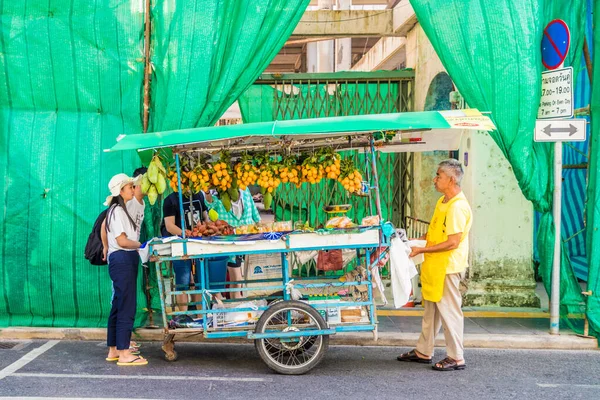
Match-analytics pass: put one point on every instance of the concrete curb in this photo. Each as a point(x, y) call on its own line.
point(489, 341)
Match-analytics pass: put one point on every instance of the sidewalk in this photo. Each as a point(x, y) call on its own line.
point(516, 330)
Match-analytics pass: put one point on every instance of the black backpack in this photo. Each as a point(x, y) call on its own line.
point(93, 247)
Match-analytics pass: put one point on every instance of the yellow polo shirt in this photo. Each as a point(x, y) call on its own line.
point(449, 218)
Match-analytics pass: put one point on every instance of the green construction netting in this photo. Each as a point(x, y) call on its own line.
point(71, 81)
point(491, 49)
point(207, 53)
point(593, 202)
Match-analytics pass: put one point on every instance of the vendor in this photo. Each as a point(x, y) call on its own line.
point(194, 210)
point(242, 212)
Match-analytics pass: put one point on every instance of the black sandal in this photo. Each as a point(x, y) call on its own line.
point(412, 356)
point(448, 364)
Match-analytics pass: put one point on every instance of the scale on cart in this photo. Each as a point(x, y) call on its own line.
point(292, 334)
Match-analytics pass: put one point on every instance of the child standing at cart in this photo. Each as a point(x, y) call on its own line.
point(242, 212)
point(123, 259)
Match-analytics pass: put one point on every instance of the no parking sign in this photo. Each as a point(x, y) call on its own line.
point(555, 44)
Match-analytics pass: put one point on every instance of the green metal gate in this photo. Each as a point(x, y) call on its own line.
point(298, 96)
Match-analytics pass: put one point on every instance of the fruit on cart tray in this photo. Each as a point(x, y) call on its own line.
point(339, 222)
point(213, 215)
point(370, 221)
point(341, 208)
point(217, 228)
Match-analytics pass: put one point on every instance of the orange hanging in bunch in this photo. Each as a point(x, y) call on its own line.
point(350, 177)
point(221, 176)
point(200, 178)
point(268, 178)
point(289, 172)
point(312, 170)
point(331, 163)
point(245, 172)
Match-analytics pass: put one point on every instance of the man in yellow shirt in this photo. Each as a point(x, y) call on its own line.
point(446, 259)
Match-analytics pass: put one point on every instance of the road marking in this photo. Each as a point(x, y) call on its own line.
point(67, 398)
point(557, 385)
point(148, 377)
point(27, 358)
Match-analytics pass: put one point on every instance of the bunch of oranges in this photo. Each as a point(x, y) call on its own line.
point(173, 180)
point(289, 172)
point(333, 165)
point(268, 179)
point(291, 175)
point(245, 172)
point(221, 177)
point(350, 177)
point(312, 169)
point(199, 179)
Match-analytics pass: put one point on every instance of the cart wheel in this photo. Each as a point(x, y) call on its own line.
point(291, 356)
point(169, 348)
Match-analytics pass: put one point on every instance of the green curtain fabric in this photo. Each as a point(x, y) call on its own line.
point(593, 201)
point(71, 78)
point(491, 49)
point(208, 52)
point(69, 84)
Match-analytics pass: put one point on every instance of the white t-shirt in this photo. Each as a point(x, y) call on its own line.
point(136, 210)
point(118, 224)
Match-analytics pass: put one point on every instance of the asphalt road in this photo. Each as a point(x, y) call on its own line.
point(71, 369)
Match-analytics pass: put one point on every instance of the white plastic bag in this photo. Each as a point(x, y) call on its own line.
point(221, 319)
point(402, 269)
point(420, 258)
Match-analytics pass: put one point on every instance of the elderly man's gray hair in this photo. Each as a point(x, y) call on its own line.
point(453, 168)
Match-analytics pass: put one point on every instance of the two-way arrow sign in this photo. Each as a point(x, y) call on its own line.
point(561, 130)
point(571, 130)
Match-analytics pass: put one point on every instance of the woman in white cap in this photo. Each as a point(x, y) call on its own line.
point(121, 231)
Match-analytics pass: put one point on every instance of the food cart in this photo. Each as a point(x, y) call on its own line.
point(291, 326)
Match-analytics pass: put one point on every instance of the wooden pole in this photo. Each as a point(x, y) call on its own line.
point(147, 71)
point(145, 119)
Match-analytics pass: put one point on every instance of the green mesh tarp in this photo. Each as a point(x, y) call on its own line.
point(71, 78)
point(491, 49)
point(207, 53)
point(593, 202)
point(69, 83)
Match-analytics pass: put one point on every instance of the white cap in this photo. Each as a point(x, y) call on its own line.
point(117, 182)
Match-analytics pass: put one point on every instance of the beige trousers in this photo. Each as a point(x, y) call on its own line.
point(447, 313)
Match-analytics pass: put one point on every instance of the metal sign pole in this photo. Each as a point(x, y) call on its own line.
point(556, 213)
point(555, 48)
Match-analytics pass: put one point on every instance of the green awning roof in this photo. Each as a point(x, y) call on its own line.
point(264, 134)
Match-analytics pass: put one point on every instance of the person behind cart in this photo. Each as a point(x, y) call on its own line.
point(122, 236)
point(446, 259)
point(242, 212)
point(195, 211)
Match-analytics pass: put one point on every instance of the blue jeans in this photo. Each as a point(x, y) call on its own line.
point(183, 272)
point(123, 271)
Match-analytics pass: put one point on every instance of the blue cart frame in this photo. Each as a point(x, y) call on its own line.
point(296, 336)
